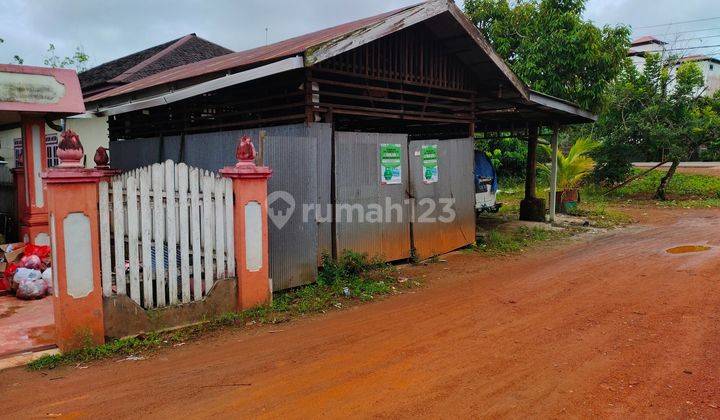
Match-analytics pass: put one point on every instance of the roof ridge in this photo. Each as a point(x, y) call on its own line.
point(122, 77)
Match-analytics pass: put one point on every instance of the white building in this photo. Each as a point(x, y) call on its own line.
point(709, 66)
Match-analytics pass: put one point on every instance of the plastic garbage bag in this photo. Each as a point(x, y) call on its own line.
point(47, 276)
point(31, 261)
point(31, 289)
point(23, 273)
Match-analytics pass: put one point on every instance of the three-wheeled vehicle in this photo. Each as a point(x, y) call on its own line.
point(486, 184)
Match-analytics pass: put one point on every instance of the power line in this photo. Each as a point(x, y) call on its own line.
point(677, 23)
point(690, 31)
point(692, 39)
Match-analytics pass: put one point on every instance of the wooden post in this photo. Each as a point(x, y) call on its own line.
point(553, 171)
point(251, 227)
point(531, 207)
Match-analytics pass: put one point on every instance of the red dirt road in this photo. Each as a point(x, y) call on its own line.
point(610, 326)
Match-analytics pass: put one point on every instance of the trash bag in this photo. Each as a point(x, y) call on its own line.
point(31, 261)
point(29, 289)
point(42, 251)
point(23, 273)
point(47, 276)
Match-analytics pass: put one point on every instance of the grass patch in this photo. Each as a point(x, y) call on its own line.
point(681, 186)
point(600, 213)
point(497, 242)
point(352, 278)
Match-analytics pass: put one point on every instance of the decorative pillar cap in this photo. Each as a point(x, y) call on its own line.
point(245, 152)
point(102, 160)
point(70, 151)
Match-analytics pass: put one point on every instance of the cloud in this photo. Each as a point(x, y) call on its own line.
point(111, 29)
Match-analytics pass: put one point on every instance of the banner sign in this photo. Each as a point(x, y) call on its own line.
point(390, 164)
point(429, 161)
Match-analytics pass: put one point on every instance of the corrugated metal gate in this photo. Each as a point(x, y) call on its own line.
point(433, 231)
point(357, 182)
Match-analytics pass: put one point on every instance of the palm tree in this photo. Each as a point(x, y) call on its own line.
point(573, 167)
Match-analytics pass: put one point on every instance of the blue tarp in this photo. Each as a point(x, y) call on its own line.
point(484, 169)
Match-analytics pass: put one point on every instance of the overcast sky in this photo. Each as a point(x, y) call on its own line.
point(111, 29)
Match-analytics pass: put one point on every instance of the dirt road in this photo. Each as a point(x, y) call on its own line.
point(609, 326)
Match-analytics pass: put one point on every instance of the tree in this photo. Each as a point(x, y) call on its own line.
point(79, 59)
point(574, 167)
point(657, 114)
point(552, 48)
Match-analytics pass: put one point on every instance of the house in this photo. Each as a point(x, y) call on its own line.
point(93, 129)
point(710, 66)
point(323, 109)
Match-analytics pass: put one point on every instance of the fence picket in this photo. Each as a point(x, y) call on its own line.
point(132, 229)
point(105, 258)
point(195, 231)
point(158, 178)
point(146, 236)
point(182, 177)
point(219, 190)
point(119, 236)
point(207, 230)
point(171, 232)
point(229, 228)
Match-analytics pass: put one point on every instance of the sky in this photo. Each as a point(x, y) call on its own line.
point(111, 29)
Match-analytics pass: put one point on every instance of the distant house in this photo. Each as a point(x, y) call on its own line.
point(93, 130)
point(709, 66)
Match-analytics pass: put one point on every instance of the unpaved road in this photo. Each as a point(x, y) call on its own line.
point(610, 326)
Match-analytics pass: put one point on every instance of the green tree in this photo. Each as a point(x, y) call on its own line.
point(552, 48)
point(79, 59)
point(658, 114)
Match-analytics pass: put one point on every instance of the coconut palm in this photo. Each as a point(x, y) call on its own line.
point(573, 167)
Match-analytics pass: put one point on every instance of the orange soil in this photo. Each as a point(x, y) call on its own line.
point(605, 326)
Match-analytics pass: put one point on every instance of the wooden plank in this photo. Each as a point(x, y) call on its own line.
point(158, 178)
point(195, 233)
point(207, 230)
point(133, 233)
point(229, 227)
point(146, 237)
point(171, 232)
point(119, 237)
point(218, 191)
point(184, 221)
point(105, 257)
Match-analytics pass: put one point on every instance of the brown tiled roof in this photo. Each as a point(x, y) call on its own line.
point(133, 67)
point(647, 39)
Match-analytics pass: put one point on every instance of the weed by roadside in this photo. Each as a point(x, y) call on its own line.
point(497, 242)
point(352, 278)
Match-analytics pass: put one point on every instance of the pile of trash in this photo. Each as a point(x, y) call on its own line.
point(26, 270)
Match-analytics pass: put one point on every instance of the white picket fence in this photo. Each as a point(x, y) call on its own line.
point(166, 234)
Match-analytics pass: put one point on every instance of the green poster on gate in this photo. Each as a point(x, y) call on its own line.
point(429, 161)
point(390, 167)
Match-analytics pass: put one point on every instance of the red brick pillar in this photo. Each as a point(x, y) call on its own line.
point(251, 229)
point(72, 205)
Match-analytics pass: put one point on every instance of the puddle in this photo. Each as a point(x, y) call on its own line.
point(686, 249)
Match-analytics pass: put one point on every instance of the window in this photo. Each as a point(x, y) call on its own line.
point(51, 145)
point(712, 67)
point(18, 149)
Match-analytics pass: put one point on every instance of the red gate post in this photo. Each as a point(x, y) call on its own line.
point(251, 229)
point(72, 197)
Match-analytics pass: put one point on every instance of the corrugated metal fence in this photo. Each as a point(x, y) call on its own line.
point(300, 156)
